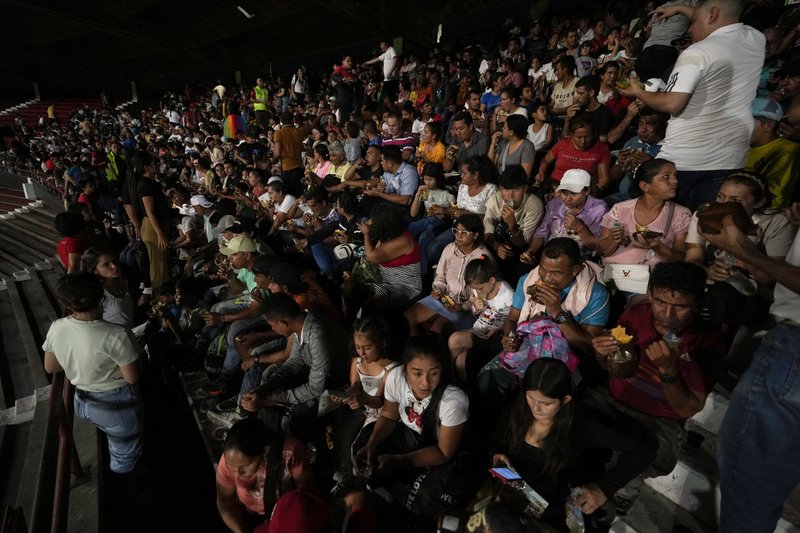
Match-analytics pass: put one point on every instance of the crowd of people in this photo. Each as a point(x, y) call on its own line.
point(485, 287)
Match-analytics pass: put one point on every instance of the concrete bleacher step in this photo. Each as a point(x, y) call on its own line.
point(26, 310)
point(690, 493)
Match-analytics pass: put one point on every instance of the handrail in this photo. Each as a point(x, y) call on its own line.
point(28, 170)
point(59, 458)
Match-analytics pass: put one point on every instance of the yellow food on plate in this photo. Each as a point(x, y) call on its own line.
point(621, 336)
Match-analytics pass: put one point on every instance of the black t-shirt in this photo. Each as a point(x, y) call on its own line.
point(602, 118)
point(364, 173)
point(149, 187)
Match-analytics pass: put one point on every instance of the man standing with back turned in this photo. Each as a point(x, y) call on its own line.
point(708, 95)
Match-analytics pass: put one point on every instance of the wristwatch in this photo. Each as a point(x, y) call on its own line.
point(668, 378)
point(563, 317)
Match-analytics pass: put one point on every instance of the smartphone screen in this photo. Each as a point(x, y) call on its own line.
point(505, 473)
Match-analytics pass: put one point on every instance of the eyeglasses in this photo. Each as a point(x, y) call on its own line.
point(457, 231)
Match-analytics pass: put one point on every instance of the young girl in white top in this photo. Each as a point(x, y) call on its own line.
point(491, 301)
point(372, 362)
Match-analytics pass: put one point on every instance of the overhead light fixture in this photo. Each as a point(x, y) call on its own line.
point(244, 12)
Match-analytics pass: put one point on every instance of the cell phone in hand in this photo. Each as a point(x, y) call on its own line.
point(506, 474)
point(341, 393)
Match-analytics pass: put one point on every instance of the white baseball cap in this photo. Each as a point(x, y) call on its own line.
point(574, 180)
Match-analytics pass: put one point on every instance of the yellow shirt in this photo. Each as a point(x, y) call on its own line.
point(261, 94)
point(340, 170)
point(779, 162)
point(434, 153)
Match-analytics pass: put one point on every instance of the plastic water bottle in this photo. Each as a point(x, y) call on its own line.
point(672, 340)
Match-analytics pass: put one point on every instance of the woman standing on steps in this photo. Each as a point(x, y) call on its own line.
point(149, 213)
point(102, 362)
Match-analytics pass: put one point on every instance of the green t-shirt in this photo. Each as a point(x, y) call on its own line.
point(248, 278)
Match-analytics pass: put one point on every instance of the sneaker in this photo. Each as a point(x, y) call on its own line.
point(228, 405)
point(225, 419)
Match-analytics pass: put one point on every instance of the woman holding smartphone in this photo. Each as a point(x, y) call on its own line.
point(543, 438)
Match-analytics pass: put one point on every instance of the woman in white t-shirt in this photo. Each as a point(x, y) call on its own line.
point(491, 302)
point(412, 450)
point(117, 302)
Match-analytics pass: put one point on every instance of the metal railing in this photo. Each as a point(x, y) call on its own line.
point(59, 459)
point(53, 184)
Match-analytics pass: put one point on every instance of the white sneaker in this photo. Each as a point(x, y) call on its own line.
point(224, 418)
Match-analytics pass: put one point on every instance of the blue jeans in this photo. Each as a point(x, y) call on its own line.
point(759, 436)
point(696, 187)
point(118, 414)
point(232, 359)
point(326, 260)
point(431, 246)
point(623, 192)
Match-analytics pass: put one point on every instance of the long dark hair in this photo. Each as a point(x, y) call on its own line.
point(91, 257)
point(387, 222)
point(431, 346)
point(139, 160)
point(482, 166)
point(251, 436)
point(552, 378)
point(644, 174)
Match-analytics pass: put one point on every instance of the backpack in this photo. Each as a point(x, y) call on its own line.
point(215, 351)
point(541, 337)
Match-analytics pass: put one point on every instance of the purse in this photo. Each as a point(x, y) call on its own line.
point(628, 277)
point(634, 277)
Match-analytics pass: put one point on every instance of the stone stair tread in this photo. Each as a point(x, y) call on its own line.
point(653, 513)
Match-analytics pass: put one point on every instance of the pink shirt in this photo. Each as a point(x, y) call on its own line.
point(632, 253)
point(251, 491)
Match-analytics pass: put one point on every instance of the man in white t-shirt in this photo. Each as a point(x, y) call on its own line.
point(759, 434)
point(708, 95)
point(390, 66)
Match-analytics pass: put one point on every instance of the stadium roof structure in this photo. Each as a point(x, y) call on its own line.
point(146, 37)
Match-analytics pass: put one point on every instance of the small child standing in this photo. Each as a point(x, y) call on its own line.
point(585, 63)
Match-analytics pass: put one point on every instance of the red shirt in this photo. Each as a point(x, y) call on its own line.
point(617, 104)
point(701, 356)
point(568, 157)
point(70, 245)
